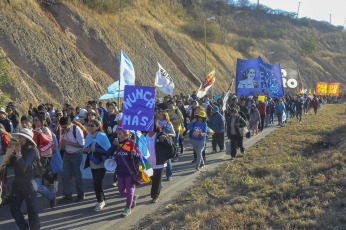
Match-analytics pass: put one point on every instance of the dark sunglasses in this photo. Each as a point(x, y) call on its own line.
point(91, 126)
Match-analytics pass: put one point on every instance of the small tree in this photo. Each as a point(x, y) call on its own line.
point(308, 46)
point(4, 77)
point(245, 44)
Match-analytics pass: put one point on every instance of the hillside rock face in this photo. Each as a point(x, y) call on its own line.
point(67, 53)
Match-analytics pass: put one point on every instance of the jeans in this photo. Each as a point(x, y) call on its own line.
point(156, 183)
point(126, 187)
point(272, 116)
point(218, 139)
point(98, 175)
point(280, 118)
point(267, 120)
point(71, 164)
point(262, 121)
point(198, 146)
point(299, 115)
point(27, 192)
point(181, 143)
point(169, 172)
point(43, 190)
point(176, 142)
point(236, 141)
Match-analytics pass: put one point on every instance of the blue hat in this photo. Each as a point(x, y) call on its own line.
point(215, 108)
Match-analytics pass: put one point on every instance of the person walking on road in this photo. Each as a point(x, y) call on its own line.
point(72, 138)
point(127, 156)
point(167, 127)
point(96, 146)
point(176, 118)
point(217, 124)
point(24, 186)
point(315, 104)
point(254, 119)
point(198, 128)
point(233, 124)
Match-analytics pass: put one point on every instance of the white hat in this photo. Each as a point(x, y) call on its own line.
point(82, 113)
point(2, 109)
point(27, 133)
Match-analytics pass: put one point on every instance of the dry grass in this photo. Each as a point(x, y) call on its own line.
point(281, 183)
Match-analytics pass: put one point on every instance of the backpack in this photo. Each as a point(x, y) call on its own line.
point(76, 123)
point(37, 166)
point(168, 145)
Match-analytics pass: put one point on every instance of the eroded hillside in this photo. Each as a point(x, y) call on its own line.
point(67, 52)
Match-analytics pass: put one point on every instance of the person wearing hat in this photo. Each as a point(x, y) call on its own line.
point(198, 128)
point(217, 124)
point(234, 122)
point(5, 121)
point(82, 115)
point(24, 186)
point(92, 115)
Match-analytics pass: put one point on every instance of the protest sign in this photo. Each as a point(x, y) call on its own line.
point(333, 89)
point(138, 108)
point(321, 88)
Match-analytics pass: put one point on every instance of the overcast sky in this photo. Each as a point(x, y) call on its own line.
point(314, 9)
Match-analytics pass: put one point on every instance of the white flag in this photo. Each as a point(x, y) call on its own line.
point(127, 72)
point(163, 81)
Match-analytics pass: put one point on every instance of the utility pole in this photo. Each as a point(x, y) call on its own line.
point(330, 18)
point(257, 4)
point(298, 9)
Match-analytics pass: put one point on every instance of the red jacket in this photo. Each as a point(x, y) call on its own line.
point(262, 108)
point(5, 141)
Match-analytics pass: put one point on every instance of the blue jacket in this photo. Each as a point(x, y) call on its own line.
point(280, 107)
point(217, 123)
point(197, 126)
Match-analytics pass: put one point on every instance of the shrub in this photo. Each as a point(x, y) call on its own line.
point(4, 77)
point(245, 44)
point(308, 46)
point(196, 30)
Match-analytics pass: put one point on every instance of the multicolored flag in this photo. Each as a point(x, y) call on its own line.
point(209, 81)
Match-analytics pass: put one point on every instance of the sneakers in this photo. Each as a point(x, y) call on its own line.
point(115, 184)
point(52, 203)
point(169, 179)
point(126, 212)
point(80, 198)
point(65, 200)
point(194, 161)
point(214, 151)
point(175, 160)
point(155, 200)
point(134, 202)
point(99, 206)
point(197, 168)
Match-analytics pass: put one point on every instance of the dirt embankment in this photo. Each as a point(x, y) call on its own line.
point(66, 52)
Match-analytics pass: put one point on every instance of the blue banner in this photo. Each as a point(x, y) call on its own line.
point(258, 77)
point(138, 108)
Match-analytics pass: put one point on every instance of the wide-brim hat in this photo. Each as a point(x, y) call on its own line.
point(3, 110)
point(201, 114)
point(27, 133)
point(92, 112)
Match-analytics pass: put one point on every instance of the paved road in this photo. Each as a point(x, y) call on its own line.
point(81, 215)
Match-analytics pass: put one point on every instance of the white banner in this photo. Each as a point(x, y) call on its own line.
point(163, 81)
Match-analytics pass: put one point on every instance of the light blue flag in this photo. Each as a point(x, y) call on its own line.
point(127, 72)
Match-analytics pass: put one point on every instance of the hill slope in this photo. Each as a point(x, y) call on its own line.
point(67, 52)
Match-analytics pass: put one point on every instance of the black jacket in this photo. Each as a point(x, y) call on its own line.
point(161, 152)
point(238, 119)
